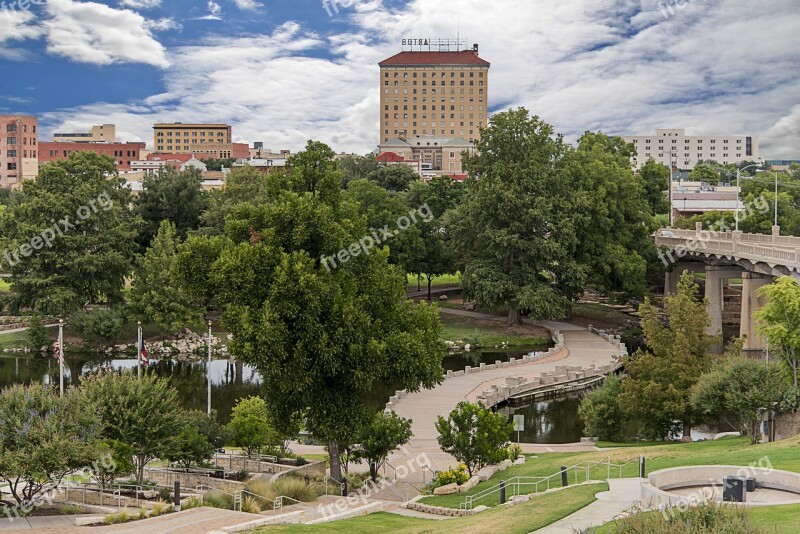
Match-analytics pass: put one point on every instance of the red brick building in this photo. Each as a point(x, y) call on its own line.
point(18, 149)
point(123, 153)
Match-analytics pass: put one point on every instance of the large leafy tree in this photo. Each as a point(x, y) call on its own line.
point(174, 196)
point(78, 213)
point(141, 413)
point(155, 297)
point(320, 330)
point(385, 433)
point(250, 428)
point(738, 391)
point(42, 438)
point(657, 388)
point(614, 245)
point(394, 177)
point(517, 224)
point(705, 172)
point(243, 184)
point(357, 167)
point(475, 435)
point(779, 321)
point(655, 180)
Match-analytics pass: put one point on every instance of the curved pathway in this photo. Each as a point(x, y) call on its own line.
point(582, 348)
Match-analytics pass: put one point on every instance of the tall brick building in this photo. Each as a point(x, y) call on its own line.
point(18, 149)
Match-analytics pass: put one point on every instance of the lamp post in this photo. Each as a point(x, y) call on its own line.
point(670, 189)
point(738, 189)
point(61, 356)
point(208, 370)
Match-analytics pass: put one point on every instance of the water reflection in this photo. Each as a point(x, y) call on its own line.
point(551, 421)
point(229, 381)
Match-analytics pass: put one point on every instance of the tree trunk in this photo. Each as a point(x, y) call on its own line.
point(373, 471)
point(430, 279)
point(140, 471)
point(514, 316)
point(419, 282)
point(687, 432)
point(336, 460)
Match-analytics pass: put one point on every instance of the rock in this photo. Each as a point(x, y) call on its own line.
point(467, 347)
point(469, 306)
point(520, 460)
point(446, 490)
point(443, 298)
point(519, 498)
point(469, 484)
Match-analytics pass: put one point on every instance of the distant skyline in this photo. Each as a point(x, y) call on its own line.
point(285, 71)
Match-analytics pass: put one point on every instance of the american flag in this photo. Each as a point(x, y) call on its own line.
point(143, 352)
point(59, 356)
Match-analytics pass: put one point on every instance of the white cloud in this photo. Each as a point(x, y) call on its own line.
point(140, 4)
point(214, 12)
point(246, 4)
point(728, 66)
point(89, 32)
point(16, 26)
point(163, 24)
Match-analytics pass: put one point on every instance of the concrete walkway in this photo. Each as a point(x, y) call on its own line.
point(582, 348)
point(622, 496)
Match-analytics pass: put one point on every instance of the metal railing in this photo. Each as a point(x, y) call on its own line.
point(114, 491)
point(578, 473)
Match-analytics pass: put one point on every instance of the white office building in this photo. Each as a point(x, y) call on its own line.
point(687, 150)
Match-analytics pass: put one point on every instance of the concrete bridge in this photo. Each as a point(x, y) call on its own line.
point(755, 258)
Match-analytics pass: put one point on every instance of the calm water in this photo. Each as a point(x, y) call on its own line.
point(551, 421)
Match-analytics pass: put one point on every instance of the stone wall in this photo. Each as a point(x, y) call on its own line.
point(787, 425)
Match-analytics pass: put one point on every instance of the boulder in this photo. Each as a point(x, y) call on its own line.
point(443, 298)
point(448, 489)
point(469, 484)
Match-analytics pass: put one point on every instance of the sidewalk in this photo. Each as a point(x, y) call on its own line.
point(622, 495)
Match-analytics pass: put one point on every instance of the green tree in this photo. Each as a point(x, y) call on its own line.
point(474, 435)
point(191, 448)
point(601, 413)
point(37, 333)
point(779, 321)
point(142, 413)
point(394, 177)
point(657, 389)
point(249, 427)
point(193, 267)
point(322, 332)
point(357, 167)
point(74, 231)
point(154, 297)
point(115, 461)
point(738, 391)
point(705, 172)
point(43, 437)
point(384, 434)
point(218, 164)
point(516, 227)
point(655, 179)
point(242, 184)
point(208, 426)
point(174, 196)
point(99, 326)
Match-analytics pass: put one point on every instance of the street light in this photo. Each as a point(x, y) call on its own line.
point(774, 173)
point(738, 190)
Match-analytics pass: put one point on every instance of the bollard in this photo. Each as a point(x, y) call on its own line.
point(502, 492)
point(641, 467)
point(344, 488)
point(306, 479)
point(564, 481)
point(177, 490)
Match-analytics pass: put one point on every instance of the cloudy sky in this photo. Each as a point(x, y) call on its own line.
point(284, 71)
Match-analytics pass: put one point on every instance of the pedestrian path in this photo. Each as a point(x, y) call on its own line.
point(623, 494)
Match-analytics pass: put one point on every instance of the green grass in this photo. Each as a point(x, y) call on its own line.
point(15, 340)
point(489, 333)
point(5, 287)
point(733, 451)
point(601, 312)
point(777, 519)
point(520, 519)
point(445, 280)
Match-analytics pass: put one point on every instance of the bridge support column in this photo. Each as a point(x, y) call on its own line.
point(715, 299)
point(672, 278)
point(751, 303)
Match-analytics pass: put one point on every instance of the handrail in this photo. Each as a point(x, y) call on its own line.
point(515, 484)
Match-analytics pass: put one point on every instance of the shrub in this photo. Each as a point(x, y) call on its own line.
point(192, 502)
point(217, 499)
point(36, 333)
point(160, 507)
point(708, 518)
point(240, 476)
point(514, 452)
point(601, 413)
point(251, 505)
point(300, 461)
point(295, 488)
point(123, 516)
point(164, 494)
point(99, 326)
point(458, 475)
point(68, 509)
point(262, 489)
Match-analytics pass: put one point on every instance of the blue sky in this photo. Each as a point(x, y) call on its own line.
point(283, 71)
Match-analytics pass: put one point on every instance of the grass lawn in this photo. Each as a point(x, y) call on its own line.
point(520, 519)
point(13, 341)
point(598, 315)
point(734, 451)
point(439, 281)
point(491, 333)
point(5, 287)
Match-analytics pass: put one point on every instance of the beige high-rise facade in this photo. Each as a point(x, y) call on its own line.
point(106, 133)
point(180, 138)
point(672, 147)
point(441, 94)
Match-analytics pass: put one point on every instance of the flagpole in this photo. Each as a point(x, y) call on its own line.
point(139, 351)
point(61, 359)
point(208, 369)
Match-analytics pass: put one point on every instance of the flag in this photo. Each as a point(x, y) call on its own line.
point(143, 351)
point(59, 356)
